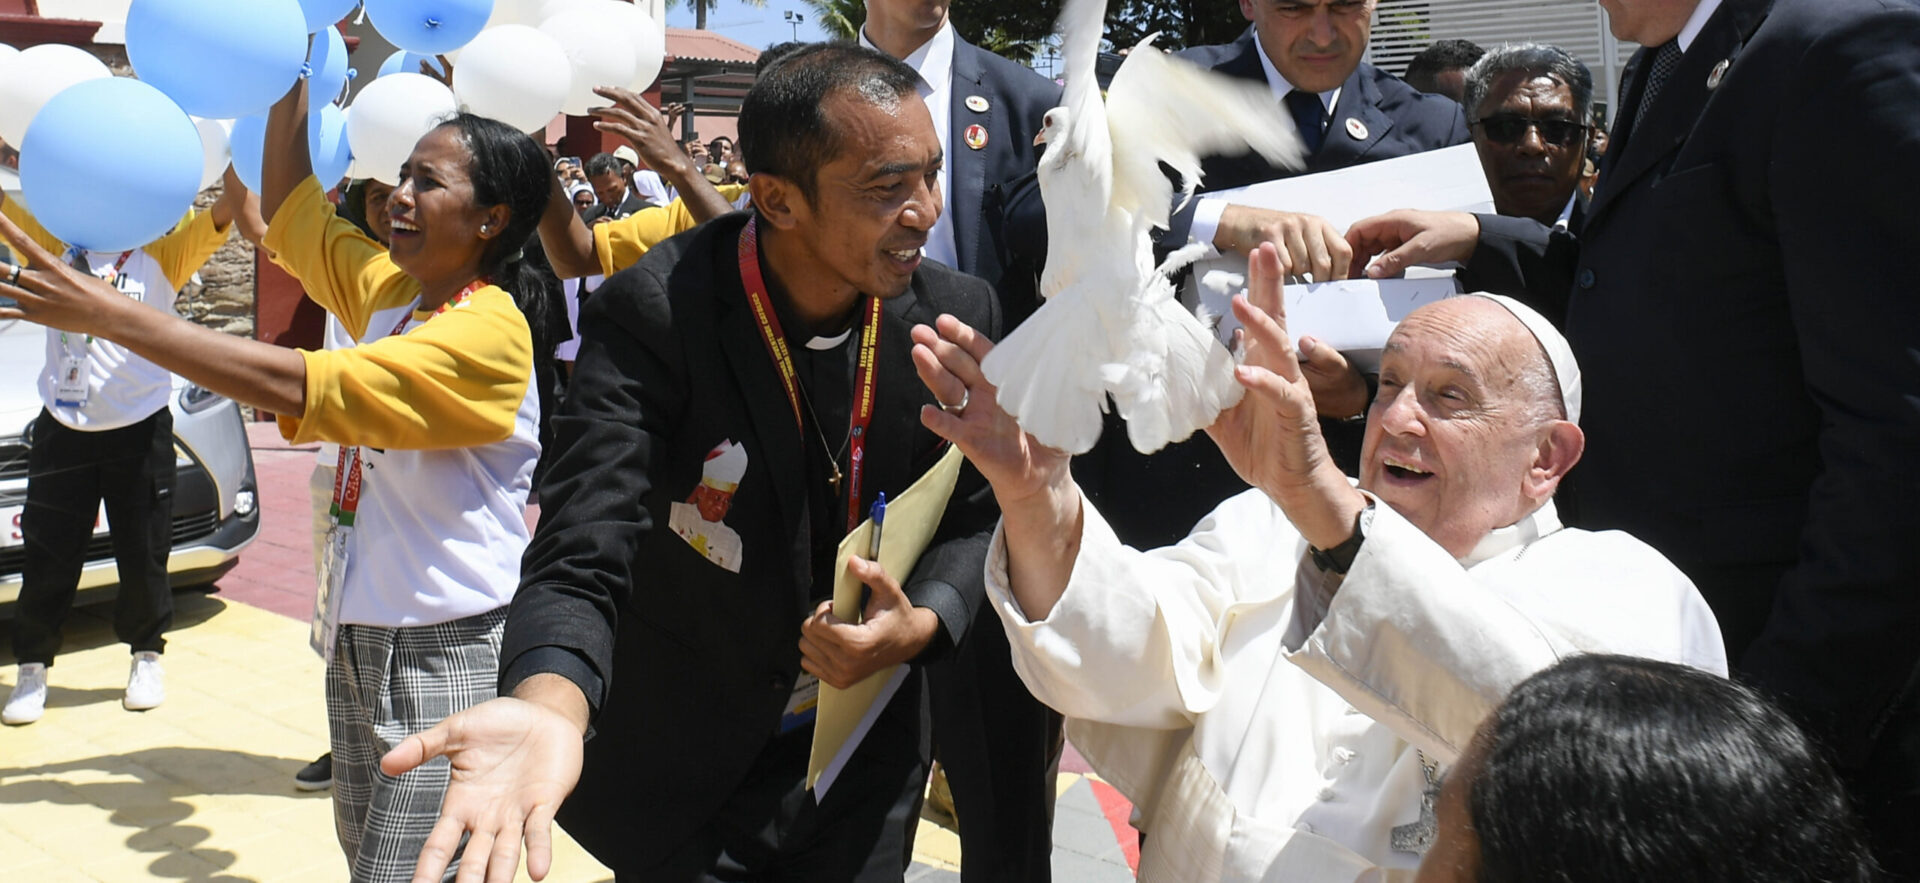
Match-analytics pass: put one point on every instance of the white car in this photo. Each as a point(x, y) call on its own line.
point(216, 509)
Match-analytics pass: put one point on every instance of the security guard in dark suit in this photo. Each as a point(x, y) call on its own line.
point(1740, 299)
point(1349, 113)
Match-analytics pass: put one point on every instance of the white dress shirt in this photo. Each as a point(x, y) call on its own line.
point(934, 62)
point(1206, 212)
point(1695, 23)
point(1270, 721)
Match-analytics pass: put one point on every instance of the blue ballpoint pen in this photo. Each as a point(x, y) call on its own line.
point(878, 514)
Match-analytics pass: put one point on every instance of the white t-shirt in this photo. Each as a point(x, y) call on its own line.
point(122, 388)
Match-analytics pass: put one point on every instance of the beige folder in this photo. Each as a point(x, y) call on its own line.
point(844, 716)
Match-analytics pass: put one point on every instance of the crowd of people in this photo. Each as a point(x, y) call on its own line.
point(1604, 572)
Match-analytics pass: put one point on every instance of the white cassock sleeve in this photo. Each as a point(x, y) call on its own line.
point(1428, 647)
point(1134, 639)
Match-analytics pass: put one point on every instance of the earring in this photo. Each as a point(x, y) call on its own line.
point(483, 228)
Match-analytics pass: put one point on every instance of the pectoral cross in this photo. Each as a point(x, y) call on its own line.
point(1417, 836)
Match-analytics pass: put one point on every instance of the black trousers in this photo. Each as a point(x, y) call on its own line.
point(772, 831)
point(70, 473)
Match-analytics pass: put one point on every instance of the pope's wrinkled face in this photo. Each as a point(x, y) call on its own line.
point(1455, 436)
point(1315, 44)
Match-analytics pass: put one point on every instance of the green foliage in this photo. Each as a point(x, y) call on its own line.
point(839, 18)
point(702, 7)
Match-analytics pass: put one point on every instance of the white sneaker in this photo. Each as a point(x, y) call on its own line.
point(146, 685)
point(29, 699)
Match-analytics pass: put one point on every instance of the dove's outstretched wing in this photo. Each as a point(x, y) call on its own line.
point(1162, 109)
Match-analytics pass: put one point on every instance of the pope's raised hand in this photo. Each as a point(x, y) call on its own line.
point(947, 357)
point(1272, 438)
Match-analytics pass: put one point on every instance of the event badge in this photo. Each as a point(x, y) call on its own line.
point(802, 704)
point(70, 388)
point(326, 605)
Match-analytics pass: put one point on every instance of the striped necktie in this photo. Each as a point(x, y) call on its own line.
point(1310, 116)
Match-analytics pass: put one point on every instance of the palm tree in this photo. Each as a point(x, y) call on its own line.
point(700, 8)
point(841, 19)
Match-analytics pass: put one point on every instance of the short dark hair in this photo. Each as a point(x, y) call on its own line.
point(784, 126)
point(1606, 768)
point(604, 164)
point(1538, 59)
point(772, 54)
point(1442, 56)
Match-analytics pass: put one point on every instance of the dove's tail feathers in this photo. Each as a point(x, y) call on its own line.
point(1191, 384)
point(1047, 373)
point(1183, 257)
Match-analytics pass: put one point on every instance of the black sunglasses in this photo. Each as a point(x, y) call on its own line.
point(1509, 129)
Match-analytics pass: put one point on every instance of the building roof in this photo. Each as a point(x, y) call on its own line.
point(687, 44)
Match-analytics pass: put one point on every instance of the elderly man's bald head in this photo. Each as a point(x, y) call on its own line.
point(1468, 432)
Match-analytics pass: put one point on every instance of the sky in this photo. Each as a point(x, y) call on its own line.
point(755, 26)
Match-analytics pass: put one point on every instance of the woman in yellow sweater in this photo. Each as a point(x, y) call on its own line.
point(437, 415)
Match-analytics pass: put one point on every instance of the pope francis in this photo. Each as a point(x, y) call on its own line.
point(1280, 692)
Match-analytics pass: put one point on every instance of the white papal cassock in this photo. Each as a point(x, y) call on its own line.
point(1269, 728)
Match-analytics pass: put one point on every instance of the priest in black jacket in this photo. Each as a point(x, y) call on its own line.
point(671, 601)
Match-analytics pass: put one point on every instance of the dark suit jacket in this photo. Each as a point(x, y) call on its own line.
point(1742, 302)
point(1155, 500)
point(999, 223)
point(671, 364)
point(1399, 120)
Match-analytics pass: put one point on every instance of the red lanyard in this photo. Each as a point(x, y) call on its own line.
point(346, 474)
point(865, 375)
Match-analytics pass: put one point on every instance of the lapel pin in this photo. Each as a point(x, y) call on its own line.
point(976, 104)
point(1719, 73)
point(976, 136)
point(1357, 129)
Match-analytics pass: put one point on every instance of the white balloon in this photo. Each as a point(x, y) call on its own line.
point(649, 41)
point(36, 74)
point(551, 8)
point(390, 116)
point(7, 52)
point(515, 74)
point(598, 60)
point(507, 12)
point(217, 147)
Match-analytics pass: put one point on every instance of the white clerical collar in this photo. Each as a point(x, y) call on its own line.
point(827, 343)
point(1279, 83)
point(1542, 522)
point(1695, 23)
point(933, 61)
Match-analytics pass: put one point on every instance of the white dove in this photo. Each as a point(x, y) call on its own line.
point(1111, 323)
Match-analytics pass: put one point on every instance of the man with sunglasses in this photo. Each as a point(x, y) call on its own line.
point(1529, 104)
point(1741, 296)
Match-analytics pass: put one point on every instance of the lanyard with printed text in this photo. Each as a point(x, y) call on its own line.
point(346, 476)
point(865, 375)
point(118, 265)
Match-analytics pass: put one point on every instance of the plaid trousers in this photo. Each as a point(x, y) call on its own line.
point(383, 685)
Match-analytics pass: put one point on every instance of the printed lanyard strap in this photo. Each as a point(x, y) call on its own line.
point(865, 373)
point(346, 475)
point(75, 254)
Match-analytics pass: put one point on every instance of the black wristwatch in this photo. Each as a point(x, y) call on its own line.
point(1339, 559)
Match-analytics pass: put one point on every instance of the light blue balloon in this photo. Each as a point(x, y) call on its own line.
point(218, 58)
point(110, 164)
point(249, 145)
point(429, 27)
point(329, 65)
point(325, 13)
point(327, 145)
point(404, 62)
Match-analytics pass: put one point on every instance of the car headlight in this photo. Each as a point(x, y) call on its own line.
point(243, 503)
point(196, 398)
